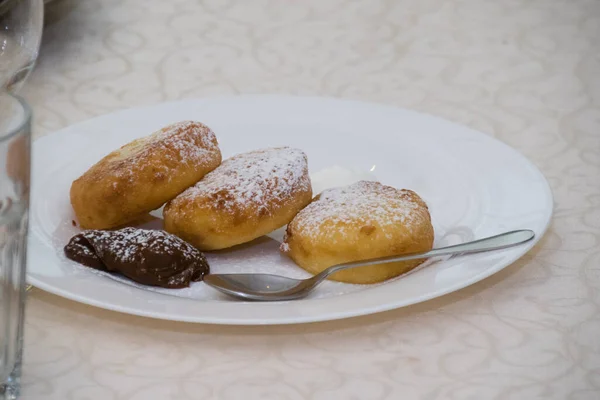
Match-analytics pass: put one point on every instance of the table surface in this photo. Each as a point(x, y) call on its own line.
point(524, 71)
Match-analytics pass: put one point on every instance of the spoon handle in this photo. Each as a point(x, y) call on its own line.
point(497, 242)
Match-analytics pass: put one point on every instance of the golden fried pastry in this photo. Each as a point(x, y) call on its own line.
point(144, 174)
point(247, 196)
point(357, 222)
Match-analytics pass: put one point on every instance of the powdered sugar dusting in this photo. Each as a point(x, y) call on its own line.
point(189, 151)
point(361, 203)
point(188, 142)
point(258, 177)
point(127, 244)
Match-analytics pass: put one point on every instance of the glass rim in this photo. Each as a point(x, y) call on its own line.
point(22, 124)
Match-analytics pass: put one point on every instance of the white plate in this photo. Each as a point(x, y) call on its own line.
point(475, 187)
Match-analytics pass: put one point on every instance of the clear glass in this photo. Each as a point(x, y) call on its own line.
point(21, 23)
point(15, 146)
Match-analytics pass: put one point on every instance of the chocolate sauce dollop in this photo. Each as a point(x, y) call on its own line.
point(149, 257)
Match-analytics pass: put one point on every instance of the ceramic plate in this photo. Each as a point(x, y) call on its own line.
point(475, 186)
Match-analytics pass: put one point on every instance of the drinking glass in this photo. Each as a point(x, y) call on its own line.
point(15, 118)
point(21, 23)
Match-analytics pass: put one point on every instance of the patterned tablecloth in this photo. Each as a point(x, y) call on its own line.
point(524, 71)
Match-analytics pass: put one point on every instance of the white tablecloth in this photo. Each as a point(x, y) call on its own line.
point(525, 71)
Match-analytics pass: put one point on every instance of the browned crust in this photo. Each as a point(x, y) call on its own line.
point(142, 175)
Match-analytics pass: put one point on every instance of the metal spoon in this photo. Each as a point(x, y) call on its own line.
point(268, 287)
